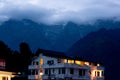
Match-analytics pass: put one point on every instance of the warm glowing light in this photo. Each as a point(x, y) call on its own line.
point(6, 75)
point(98, 64)
point(71, 61)
point(87, 63)
point(41, 71)
point(65, 60)
point(41, 61)
point(97, 73)
point(79, 62)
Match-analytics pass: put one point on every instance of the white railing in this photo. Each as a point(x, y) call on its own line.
point(53, 65)
point(33, 76)
point(100, 68)
point(98, 78)
point(33, 67)
point(65, 65)
point(67, 75)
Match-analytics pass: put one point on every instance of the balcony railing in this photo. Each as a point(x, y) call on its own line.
point(33, 76)
point(66, 76)
point(33, 67)
point(59, 65)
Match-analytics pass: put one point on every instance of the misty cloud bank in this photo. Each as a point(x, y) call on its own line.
point(59, 11)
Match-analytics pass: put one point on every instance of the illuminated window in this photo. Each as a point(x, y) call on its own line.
point(79, 63)
point(95, 73)
point(99, 73)
point(41, 61)
point(87, 63)
point(71, 61)
point(4, 78)
point(61, 60)
point(65, 60)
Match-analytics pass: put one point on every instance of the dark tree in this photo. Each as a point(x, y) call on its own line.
point(4, 50)
point(16, 61)
point(25, 52)
point(26, 56)
point(5, 53)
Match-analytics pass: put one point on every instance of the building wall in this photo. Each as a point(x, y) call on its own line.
point(4, 75)
point(89, 69)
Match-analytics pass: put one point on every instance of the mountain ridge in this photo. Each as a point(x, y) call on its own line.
point(101, 46)
point(52, 37)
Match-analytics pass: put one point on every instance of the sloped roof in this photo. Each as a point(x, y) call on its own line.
point(55, 54)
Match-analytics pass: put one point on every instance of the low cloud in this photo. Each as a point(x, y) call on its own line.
point(55, 11)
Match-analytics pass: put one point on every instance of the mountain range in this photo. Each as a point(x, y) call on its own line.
point(58, 37)
point(98, 41)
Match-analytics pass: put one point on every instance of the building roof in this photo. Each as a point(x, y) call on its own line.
point(55, 54)
point(60, 55)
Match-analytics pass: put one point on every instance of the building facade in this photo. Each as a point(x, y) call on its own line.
point(57, 67)
point(5, 75)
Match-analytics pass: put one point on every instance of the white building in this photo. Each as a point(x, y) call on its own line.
point(49, 66)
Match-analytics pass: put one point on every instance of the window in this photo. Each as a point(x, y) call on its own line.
point(36, 71)
point(70, 61)
point(33, 72)
point(71, 71)
point(35, 63)
point(87, 63)
point(95, 73)
point(53, 70)
point(102, 73)
point(4, 78)
point(64, 60)
point(46, 71)
point(41, 61)
point(50, 62)
point(98, 73)
point(81, 72)
point(59, 71)
point(63, 70)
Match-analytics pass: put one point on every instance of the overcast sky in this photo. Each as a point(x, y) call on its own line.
point(53, 11)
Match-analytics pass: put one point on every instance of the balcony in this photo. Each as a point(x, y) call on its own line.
point(100, 68)
point(53, 65)
point(63, 76)
point(99, 78)
point(33, 67)
point(67, 65)
point(33, 77)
